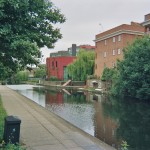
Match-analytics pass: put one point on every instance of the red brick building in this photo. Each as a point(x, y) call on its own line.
point(109, 45)
point(57, 66)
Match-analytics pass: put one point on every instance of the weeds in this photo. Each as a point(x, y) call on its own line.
point(124, 145)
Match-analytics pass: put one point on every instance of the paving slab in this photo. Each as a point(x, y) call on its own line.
point(43, 130)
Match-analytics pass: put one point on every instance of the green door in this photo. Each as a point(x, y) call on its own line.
point(65, 73)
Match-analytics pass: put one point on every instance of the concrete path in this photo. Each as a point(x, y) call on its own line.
point(43, 130)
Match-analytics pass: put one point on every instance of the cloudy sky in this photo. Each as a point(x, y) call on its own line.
point(86, 18)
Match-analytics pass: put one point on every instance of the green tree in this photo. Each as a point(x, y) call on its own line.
point(83, 66)
point(134, 70)
point(21, 76)
point(108, 74)
point(26, 26)
point(40, 72)
point(4, 72)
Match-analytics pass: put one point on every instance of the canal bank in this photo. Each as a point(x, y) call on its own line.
point(42, 130)
point(94, 86)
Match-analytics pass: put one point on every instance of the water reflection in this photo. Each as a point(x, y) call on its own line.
point(111, 120)
point(105, 126)
point(27, 91)
point(133, 119)
point(73, 108)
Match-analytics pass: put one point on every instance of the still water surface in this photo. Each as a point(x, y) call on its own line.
point(110, 120)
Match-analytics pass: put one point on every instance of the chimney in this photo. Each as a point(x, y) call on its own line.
point(147, 17)
point(74, 49)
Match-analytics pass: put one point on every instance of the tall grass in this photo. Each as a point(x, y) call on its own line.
point(3, 114)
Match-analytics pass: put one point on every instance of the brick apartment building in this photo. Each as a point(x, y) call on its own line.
point(109, 45)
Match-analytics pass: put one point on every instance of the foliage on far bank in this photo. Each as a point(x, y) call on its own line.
point(83, 66)
point(132, 75)
point(40, 72)
point(109, 74)
point(54, 78)
point(18, 78)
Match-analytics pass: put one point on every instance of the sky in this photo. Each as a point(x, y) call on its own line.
point(87, 18)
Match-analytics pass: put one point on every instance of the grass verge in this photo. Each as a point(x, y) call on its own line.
point(3, 114)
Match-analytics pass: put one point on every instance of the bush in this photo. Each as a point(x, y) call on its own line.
point(53, 78)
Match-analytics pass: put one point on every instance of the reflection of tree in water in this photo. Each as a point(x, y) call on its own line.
point(134, 121)
point(77, 98)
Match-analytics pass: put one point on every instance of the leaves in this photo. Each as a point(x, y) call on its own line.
point(26, 26)
point(134, 70)
point(40, 72)
point(82, 67)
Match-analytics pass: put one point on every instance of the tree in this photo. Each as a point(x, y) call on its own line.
point(4, 72)
point(134, 70)
point(26, 26)
point(108, 74)
point(40, 72)
point(20, 76)
point(83, 66)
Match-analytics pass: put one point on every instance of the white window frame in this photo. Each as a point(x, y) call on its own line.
point(105, 42)
point(114, 39)
point(113, 52)
point(119, 38)
point(105, 54)
point(119, 51)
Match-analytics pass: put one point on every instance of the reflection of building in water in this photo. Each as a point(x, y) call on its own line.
point(105, 127)
point(100, 126)
point(54, 98)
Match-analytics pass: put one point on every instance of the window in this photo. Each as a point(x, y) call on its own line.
point(104, 54)
point(52, 64)
point(113, 52)
point(56, 64)
point(119, 38)
point(114, 39)
point(119, 51)
point(105, 42)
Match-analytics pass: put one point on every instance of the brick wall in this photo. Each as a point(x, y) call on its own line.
point(110, 44)
point(55, 66)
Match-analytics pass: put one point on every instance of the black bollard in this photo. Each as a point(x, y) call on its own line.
point(12, 130)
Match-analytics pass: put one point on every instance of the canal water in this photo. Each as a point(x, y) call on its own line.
point(111, 120)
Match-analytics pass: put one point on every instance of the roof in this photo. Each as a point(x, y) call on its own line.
point(133, 28)
point(87, 47)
